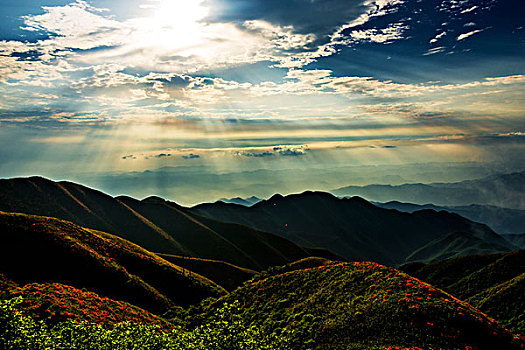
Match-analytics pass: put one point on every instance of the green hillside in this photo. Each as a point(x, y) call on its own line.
point(453, 245)
point(493, 283)
point(364, 306)
point(153, 223)
point(43, 249)
point(352, 228)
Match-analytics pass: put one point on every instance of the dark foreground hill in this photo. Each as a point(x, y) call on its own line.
point(507, 191)
point(42, 249)
point(351, 227)
point(155, 224)
point(364, 306)
point(494, 283)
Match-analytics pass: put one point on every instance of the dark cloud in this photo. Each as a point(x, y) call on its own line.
point(162, 155)
point(129, 156)
point(389, 146)
point(257, 155)
point(191, 156)
point(290, 151)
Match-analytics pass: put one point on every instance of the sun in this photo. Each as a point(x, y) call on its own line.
point(175, 24)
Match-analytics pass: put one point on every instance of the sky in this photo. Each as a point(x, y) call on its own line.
point(194, 100)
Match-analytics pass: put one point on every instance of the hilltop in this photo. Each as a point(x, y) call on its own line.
point(363, 306)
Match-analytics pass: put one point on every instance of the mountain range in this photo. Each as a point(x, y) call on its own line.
point(501, 220)
point(351, 227)
point(506, 191)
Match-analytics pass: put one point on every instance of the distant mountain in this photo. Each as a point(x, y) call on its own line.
point(493, 283)
point(248, 202)
point(501, 220)
point(36, 249)
point(352, 228)
point(507, 191)
point(363, 306)
point(155, 224)
point(452, 245)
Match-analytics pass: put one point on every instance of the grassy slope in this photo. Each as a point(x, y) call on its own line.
point(58, 251)
point(154, 224)
point(493, 283)
point(454, 244)
point(352, 228)
point(225, 274)
point(365, 305)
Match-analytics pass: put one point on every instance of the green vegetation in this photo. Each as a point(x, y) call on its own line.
point(493, 283)
point(225, 331)
point(364, 305)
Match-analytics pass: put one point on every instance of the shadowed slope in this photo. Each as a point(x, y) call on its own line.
point(58, 251)
point(452, 245)
point(225, 274)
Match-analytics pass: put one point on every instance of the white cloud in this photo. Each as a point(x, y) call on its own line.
point(466, 35)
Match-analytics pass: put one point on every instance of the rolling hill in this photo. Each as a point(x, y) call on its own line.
point(350, 227)
point(37, 249)
point(363, 306)
point(506, 191)
point(494, 283)
point(155, 224)
point(452, 245)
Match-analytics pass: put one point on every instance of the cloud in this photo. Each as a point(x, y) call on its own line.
point(162, 155)
point(394, 31)
point(466, 35)
point(257, 154)
point(291, 150)
point(191, 156)
point(129, 156)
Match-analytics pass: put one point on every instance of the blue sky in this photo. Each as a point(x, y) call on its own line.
point(250, 91)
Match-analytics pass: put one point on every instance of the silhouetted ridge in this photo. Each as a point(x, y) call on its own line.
point(352, 227)
point(157, 225)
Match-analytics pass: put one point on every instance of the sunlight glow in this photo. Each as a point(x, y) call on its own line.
point(175, 24)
